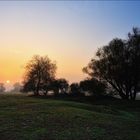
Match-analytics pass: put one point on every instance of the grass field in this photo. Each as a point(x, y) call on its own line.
point(29, 118)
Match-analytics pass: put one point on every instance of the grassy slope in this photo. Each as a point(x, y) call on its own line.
point(28, 118)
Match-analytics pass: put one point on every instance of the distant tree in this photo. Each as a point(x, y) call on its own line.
point(54, 86)
point(17, 87)
point(118, 64)
point(63, 85)
point(93, 86)
point(40, 71)
point(59, 86)
point(74, 89)
point(2, 88)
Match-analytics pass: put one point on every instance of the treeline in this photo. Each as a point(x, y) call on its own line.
point(40, 78)
point(114, 70)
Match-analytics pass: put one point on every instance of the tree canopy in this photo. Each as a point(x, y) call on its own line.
point(118, 64)
point(40, 71)
point(74, 89)
point(59, 86)
point(93, 86)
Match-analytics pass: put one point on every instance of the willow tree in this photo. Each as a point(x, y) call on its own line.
point(118, 64)
point(40, 71)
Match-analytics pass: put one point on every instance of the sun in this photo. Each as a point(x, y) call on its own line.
point(8, 81)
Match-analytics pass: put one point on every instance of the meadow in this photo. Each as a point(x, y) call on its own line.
point(34, 118)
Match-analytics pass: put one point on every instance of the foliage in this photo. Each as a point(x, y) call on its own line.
point(75, 89)
point(60, 85)
point(40, 71)
point(118, 64)
point(93, 86)
point(17, 87)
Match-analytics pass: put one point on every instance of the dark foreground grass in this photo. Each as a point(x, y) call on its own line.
point(29, 118)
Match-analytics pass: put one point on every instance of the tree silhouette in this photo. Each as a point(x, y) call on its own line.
point(17, 87)
point(63, 85)
point(74, 89)
point(118, 64)
point(59, 86)
point(93, 86)
point(40, 71)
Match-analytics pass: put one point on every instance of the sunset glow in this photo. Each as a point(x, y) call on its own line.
point(68, 32)
point(7, 81)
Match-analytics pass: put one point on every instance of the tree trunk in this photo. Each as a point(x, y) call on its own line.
point(134, 95)
point(56, 91)
point(118, 89)
point(37, 90)
point(36, 93)
point(46, 92)
point(38, 86)
point(123, 95)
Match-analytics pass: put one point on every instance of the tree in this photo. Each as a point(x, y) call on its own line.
point(74, 89)
point(93, 86)
point(60, 86)
point(40, 71)
point(118, 64)
point(63, 85)
point(2, 88)
point(17, 87)
point(133, 45)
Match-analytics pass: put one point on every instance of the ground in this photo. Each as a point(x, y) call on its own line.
point(30, 118)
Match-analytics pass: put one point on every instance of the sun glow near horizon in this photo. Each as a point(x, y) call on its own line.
point(7, 81)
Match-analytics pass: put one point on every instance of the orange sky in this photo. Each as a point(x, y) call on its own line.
point(14, 57)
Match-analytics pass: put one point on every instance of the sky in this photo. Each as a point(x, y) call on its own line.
point(68, 32)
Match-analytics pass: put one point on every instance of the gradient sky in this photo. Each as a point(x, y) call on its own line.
point(69, 32)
